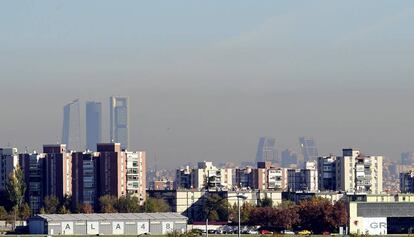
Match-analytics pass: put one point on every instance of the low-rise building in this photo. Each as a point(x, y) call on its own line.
point(108, 224)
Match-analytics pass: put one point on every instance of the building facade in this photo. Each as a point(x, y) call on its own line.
point(208, 176)
point(327, 173)
point(136, 175)
point(407, 182)
point(58, 171)
point(9, 159)
point(303, 179)
point(266, 150)
point(359, 173)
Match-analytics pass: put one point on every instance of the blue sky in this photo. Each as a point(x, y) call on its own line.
point(215, 74)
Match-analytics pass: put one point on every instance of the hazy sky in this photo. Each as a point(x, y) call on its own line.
point(206, 79)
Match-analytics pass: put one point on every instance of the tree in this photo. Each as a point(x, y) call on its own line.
point(217, 204)
point(107, 204)
point(287, 215)
point(16, 188)
point(50, 204)
point(25, 211)
point(3, 213)
point(316, 214)
point(265, 202)
point(63, 210)
point(156, 205)
point(85, 208)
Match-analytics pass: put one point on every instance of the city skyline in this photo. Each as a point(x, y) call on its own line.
point(206, 80)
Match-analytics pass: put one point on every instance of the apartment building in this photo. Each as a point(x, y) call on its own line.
point(264, 177)
point(407, 182)
point(208, 176)
point(136, 174)
point(58, 171)
point(359, 173)
point(303, 179)
point(9, 159)
point(327, 173)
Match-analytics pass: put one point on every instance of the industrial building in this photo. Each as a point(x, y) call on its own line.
point(381, 214)
point(107, 224)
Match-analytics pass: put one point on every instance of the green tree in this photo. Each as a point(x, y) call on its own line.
point(63, 210)
point(107, 204)
point(217, 204)
point(156, 205)
point(16, 188)
point(265, 202)
point(3, 213)
point(50, 204)
point(25, 211)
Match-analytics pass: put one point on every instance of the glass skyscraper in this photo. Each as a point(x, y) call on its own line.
point(308, 148)
point(119, 120)
point(266, 150)
point(71, 134)
point(93, 124)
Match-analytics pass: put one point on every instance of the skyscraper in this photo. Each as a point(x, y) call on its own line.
point(308, 148)
point(266, 150)
point(93, 124)
point(119, 121)
point(71, 134)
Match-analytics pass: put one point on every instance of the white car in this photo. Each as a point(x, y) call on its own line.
point(288, 232)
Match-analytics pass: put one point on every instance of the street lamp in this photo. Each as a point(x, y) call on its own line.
point(238, 196)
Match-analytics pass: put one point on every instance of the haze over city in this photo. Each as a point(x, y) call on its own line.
point(206, 80)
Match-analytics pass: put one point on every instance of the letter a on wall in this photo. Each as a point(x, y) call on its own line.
point(117, 228)
point(67, 228)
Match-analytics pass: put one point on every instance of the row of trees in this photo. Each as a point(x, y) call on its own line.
point(317, 214)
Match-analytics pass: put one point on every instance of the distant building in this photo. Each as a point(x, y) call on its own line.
point(93, 124)
point(289, 159)
point(303, 179)
point(9, 159)
point(327, 173)
point(264, 177)
point(208, 176)
point(163, 184)
point(184, 178)
point(71, 134)
point(119, 121)
point(407, 182)
point(359, 173)
point(308, 148)
point(266, 150)
point(406, 158)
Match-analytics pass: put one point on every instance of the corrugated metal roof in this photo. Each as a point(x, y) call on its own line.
point(110, 216)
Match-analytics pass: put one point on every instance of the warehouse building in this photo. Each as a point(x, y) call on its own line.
point(381, 214)
point(108, 224)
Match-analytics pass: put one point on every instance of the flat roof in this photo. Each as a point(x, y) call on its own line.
point(110, 216)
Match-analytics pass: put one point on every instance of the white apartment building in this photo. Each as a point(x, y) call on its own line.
point(359, 173)
point(209, 176)
point(9, 159)
point(136, 174)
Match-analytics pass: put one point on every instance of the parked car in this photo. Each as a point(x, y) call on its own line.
point(304, 232)
point(265, 232)
point(287, 232)
point(326, 233)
